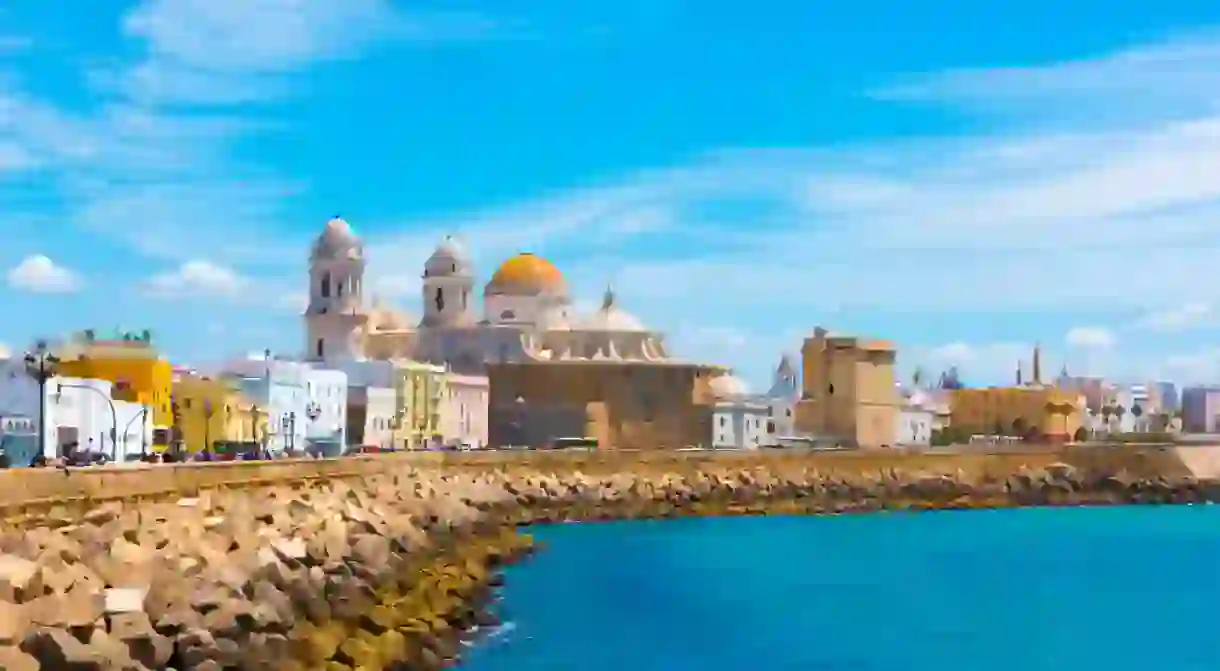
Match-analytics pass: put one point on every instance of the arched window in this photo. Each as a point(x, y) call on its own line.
point(319, 349)
point(440, 299)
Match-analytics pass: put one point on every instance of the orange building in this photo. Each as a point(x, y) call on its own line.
point(1026, 411)
point(135, 367)
point(848, 390)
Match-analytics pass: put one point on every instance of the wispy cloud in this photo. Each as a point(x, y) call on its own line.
point(39, 274)
point(1175, 76)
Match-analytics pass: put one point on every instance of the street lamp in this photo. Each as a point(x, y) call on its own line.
point(41, 365)
point(208, 411)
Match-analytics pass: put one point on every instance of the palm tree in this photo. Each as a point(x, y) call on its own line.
point(1106, 411)
point(1119, 411)
point(1137, 411)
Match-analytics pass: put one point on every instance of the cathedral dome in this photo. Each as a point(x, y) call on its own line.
point(612, 318)
point(337, 241)
point(729, 386)
point(450, 259)
point(526, 274)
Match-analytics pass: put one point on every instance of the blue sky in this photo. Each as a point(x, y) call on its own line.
point(964, 180)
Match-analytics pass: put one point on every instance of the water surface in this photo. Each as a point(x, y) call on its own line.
point(1029, 590)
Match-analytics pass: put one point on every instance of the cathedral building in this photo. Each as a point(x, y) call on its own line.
point(552, 373)
point(527, 313)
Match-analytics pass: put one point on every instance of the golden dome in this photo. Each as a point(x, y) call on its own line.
point(526, 273)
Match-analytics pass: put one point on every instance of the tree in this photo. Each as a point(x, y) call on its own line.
point(1119, 411)
point(1081, 435)
point(1106, 411)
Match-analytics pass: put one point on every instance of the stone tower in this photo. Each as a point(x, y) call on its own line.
point(448, 286)
point(335, 317)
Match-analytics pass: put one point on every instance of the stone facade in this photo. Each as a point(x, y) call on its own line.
point(620, 404)
point(849, 393)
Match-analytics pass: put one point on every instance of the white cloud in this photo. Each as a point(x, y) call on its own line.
point(235, 51)
point(1172, 76)
point(1090, 337)
point(39, 274)
point(1181, 318)
point(5, 351)
point(198, 279)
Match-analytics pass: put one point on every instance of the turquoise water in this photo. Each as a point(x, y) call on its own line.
point(1035, 589)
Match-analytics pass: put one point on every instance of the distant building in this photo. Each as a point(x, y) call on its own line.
point(420, 389)
point(371, 413)
point(326, 410)
point(848, 390)
point(1201, 410)
point(739, 420)
point(1170, 402)
point(916, 419)
point(781, 399)
point(213, 411)
point(464, 409)
point(278, 387)
point(134, 367)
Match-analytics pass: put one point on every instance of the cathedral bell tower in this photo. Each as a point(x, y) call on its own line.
point(335, 317)
point(448, 285)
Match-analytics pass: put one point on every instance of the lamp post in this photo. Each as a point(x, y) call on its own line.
point(114, 415)
point(143, 414)
point(40, 364)
point(313, 411)
point(208, 411)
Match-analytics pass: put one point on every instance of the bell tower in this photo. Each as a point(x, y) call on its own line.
point(335, 317)
point(448, 286)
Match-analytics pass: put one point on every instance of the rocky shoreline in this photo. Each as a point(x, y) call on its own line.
point(393, 571)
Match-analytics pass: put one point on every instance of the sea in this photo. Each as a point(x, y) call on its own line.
point(1035, 589)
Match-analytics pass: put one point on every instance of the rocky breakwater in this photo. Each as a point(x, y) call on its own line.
point(392, 571)
point(383, 573)
point(543, 497)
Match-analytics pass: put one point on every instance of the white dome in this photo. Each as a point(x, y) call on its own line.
point(449, 259)
point(729, 386)
point(610, 318)
point(337, 240)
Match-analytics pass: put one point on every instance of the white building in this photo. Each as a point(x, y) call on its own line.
point(370, 415)
point(80, 414)
point(326, 412)
point(739, 420)
point(781, 400)
point(915, 421)
point(464, 410)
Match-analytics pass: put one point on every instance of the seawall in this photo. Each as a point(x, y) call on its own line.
point(388, 562)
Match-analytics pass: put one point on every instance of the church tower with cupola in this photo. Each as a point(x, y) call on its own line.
point(448, 287)
point(335, 317)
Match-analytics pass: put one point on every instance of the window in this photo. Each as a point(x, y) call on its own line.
point(508, 314)
point(465, 293)
point(440, 299)
point(319, 350)
point(830, 389)
point(339, 289)
point(324, 289)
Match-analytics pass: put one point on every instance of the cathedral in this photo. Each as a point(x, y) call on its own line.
point(527, 313)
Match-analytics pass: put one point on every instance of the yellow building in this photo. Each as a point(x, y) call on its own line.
point(419, 389)
point(212, 411)
point(848, 390)
point(1026, 411)
point(1029, 409)
point(133, 365)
